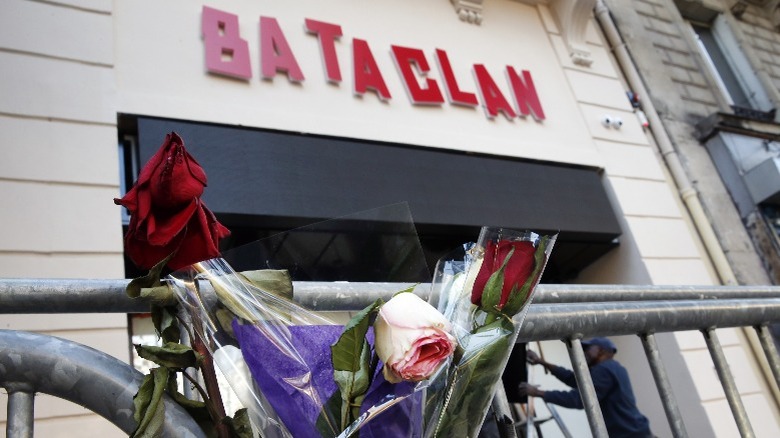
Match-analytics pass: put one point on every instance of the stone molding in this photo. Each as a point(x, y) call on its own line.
point(571, 16)
point(469, 11)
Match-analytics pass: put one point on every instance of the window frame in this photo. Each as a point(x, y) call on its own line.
point(734, 63)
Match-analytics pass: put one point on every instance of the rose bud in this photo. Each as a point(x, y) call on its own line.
point(412, 338)
point(518, 268)
point(167, 214)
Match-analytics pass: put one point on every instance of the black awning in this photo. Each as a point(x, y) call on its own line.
point(291, 178)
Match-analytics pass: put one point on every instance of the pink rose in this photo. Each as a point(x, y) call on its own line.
point(412, 338)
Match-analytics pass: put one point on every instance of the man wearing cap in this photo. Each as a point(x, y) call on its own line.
point(612, 385)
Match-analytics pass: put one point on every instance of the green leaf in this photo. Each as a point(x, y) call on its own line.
point(346, 352)
point(480, 367)
point(518, 297)
point(151, 279)
point(408, 289)
point(197, 409)
point(276, 281)
point(143, 397)
point(149, 409)
point(491, 296)
point(193, 406)
point(353, 386)
point(229, 300)
point(170, 355)
point(165, 323)
point(239, 425)
point(351, 363)
point(161, 295)
point(225, 319)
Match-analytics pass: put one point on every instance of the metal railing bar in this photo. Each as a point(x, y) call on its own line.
point(770, 350)
point(354, 296)
point(20, 408)
point(566, 293)
point(543, 322)
point(67, 296)
point(729, 385)
point(108, 296)
point(588, 395)
point(671, 408)
point(559, 321)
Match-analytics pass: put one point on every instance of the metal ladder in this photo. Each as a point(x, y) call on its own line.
point(528, 424)
point(527, 421)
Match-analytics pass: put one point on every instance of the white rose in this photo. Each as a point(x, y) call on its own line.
point(412, 338)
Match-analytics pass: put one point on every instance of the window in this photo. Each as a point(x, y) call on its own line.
point(731, 68)
point(128, 168)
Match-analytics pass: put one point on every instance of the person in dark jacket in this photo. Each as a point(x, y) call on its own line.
point(612, 385)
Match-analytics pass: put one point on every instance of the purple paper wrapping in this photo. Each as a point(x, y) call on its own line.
point(297, 391)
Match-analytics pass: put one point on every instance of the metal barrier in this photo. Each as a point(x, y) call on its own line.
point(31, 363)
point(559, 312)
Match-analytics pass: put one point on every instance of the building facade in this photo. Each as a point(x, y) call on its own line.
point(516, 113)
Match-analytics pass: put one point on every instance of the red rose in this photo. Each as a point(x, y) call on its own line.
point(166, 213)
point(519, 267)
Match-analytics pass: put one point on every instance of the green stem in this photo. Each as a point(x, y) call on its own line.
point(196, 385)
point(186, 325)
point(491, 318)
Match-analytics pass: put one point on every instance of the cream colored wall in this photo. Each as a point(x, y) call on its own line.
point(173, 82)
point(58, 175)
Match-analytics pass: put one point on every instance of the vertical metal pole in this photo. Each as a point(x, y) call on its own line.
point(590, 400)
point(530, 417)
point(20, 413)
point(503, 415)
point(192, 372)
point(729, 386)
point(184, 338)
point(770, 350)
point(664, 387)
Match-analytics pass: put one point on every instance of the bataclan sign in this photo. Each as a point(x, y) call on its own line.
point(228, 54)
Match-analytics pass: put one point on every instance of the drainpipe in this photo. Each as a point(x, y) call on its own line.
point(688, 194)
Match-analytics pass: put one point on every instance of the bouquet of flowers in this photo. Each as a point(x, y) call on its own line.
point(485, 294)
point(309, 376)
point(400, 367)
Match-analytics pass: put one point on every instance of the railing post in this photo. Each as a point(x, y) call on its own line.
point(770, 350)
point(590, 400)
point(70, 371)
point(503, 413)
point(664, 387)
point(729, 385)
point(20, 411)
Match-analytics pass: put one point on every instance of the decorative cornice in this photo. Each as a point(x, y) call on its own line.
point(469, 11)
point(573, 17)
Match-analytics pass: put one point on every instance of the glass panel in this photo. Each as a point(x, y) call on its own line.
point(722, 67)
